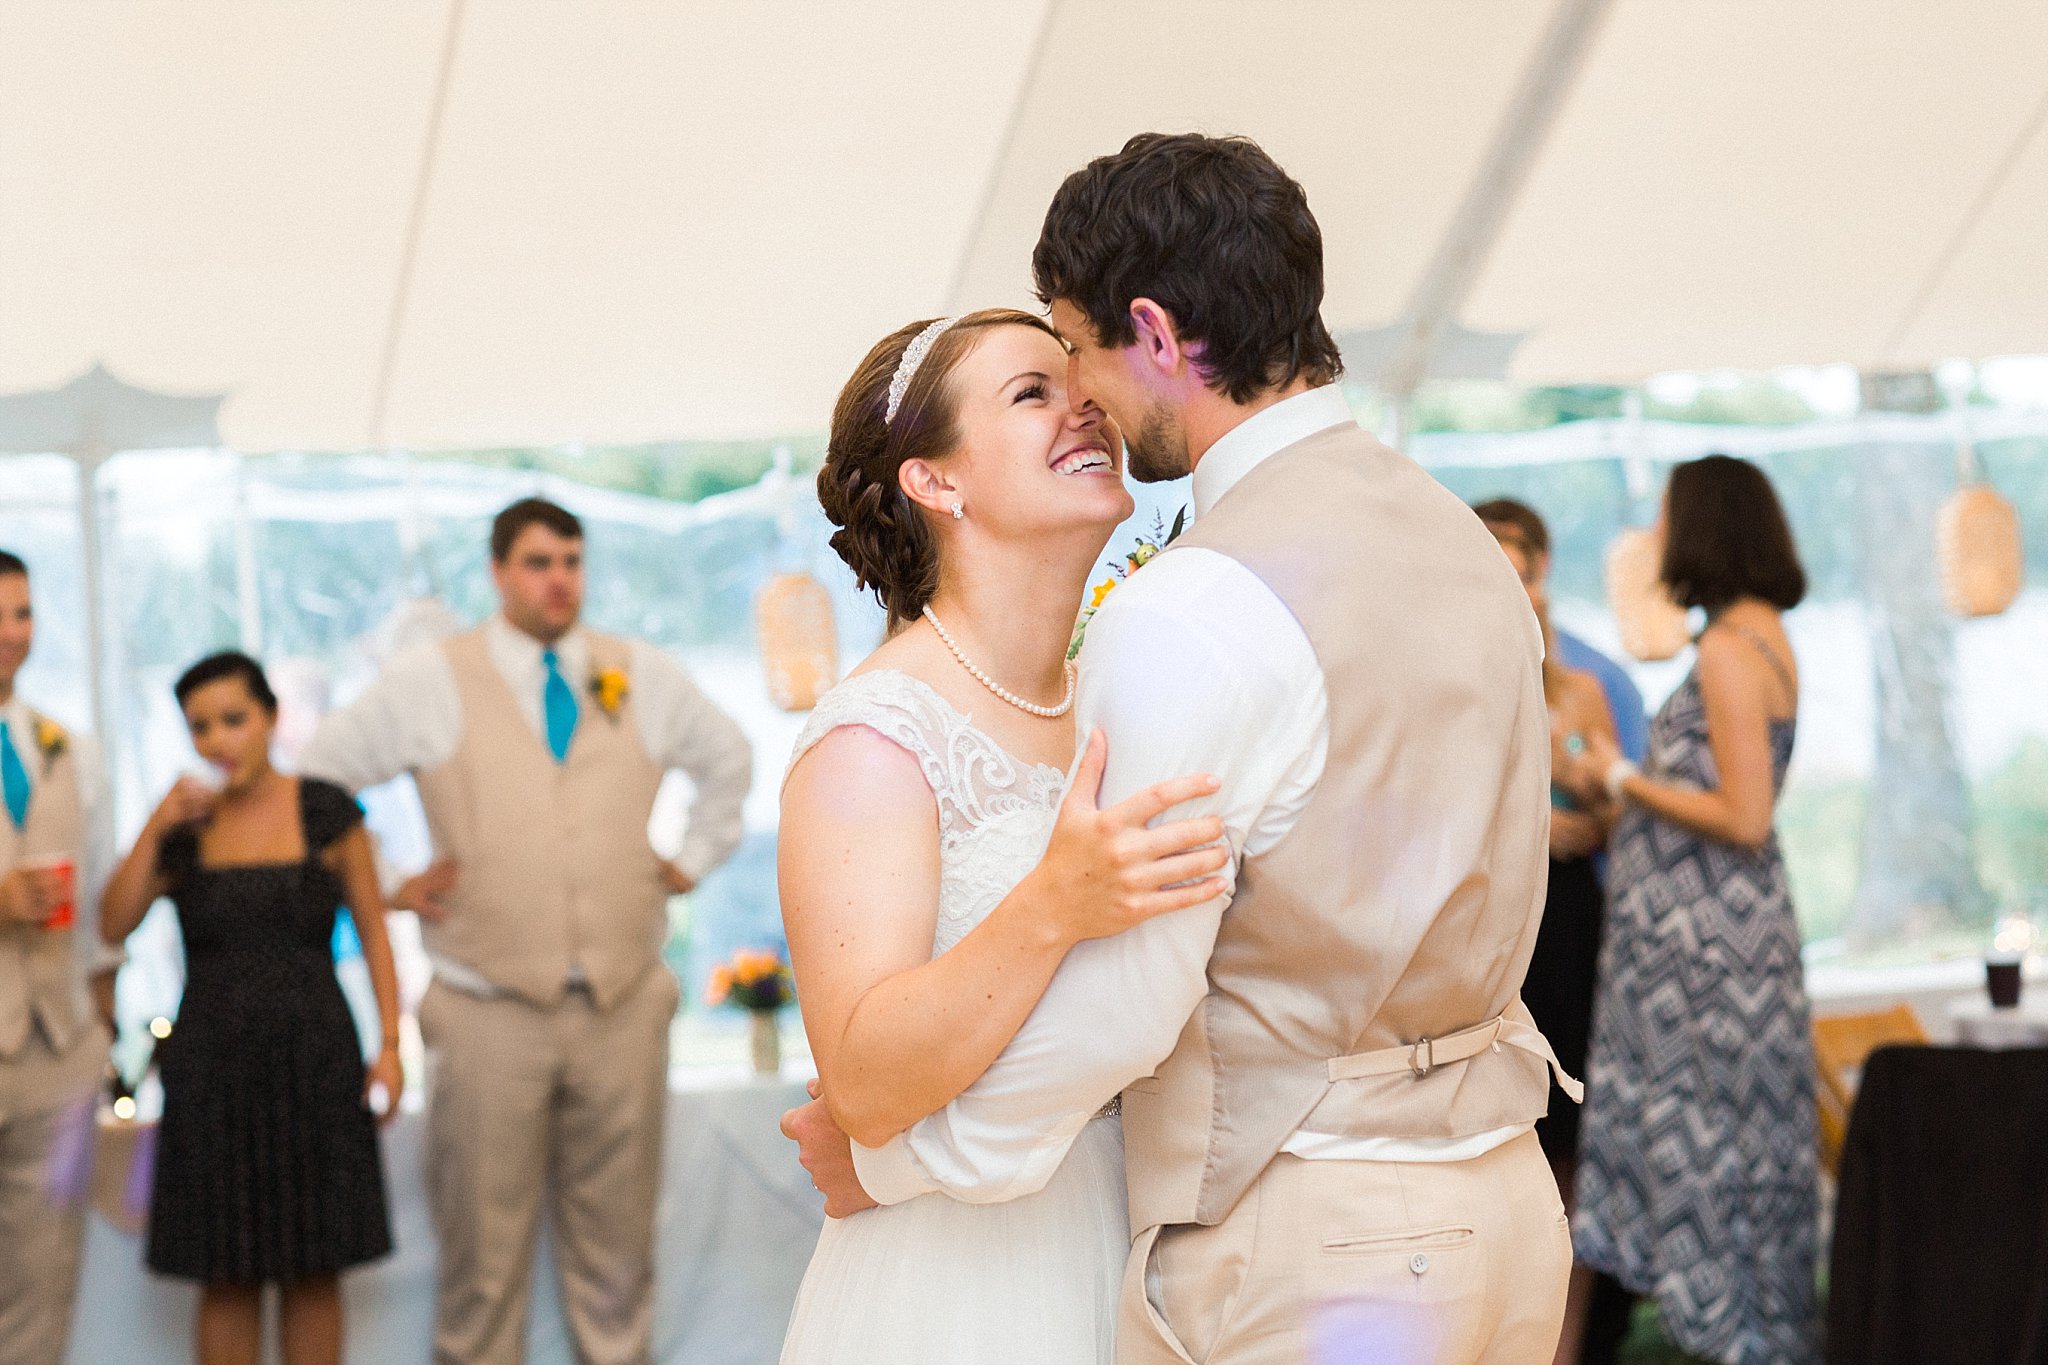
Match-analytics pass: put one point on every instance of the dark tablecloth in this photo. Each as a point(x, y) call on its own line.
point(1941, 1228)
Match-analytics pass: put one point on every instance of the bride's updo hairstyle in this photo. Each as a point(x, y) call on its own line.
point(883, 536)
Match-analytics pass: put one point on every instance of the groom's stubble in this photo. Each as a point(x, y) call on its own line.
point(1158, 447)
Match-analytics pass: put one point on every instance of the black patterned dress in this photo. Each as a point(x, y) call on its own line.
point(267, 1164)
point(1697, 1178)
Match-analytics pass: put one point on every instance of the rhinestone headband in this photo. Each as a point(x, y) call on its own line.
point(906, 368)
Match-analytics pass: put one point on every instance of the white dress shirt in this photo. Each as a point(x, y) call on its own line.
point(411, 719)
point(1191, 666)
point(93, 863)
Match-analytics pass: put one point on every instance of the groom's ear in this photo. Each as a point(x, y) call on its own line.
point(1159, 342)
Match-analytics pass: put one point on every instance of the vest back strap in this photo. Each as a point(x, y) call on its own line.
point(1427, 1054)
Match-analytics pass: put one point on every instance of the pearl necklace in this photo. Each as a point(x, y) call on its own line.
point(1048, 712)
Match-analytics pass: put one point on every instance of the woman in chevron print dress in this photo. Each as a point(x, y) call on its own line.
point(1697, 1172)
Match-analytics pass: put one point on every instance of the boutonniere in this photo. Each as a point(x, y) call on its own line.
point(51, 739)
point(1135, 559)
point(611, 689)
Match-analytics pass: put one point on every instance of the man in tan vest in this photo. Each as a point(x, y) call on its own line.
point(1332, 1082)
point(537, 745)
point(53, 1043)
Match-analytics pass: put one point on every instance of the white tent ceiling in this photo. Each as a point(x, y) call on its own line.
point(385, 222)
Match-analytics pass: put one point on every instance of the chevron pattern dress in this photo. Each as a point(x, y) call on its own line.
point(1697, 1178)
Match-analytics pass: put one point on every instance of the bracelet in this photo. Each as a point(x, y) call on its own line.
point(1618, 774)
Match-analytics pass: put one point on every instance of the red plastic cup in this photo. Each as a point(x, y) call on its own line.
point(66, 872)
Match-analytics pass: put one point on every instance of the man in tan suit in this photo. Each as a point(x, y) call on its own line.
point(537, 746)
point(1332, 1082)
point(53, 1045)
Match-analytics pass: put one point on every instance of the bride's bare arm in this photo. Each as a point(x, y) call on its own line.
point(896, 1032)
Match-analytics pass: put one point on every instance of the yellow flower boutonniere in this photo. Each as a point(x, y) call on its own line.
point(50, 738)
point(611, 689)
point(1138, 557)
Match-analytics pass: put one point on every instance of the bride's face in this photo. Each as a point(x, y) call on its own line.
point(1033, 459)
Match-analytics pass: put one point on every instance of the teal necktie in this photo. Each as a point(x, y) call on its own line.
point(14, 784)
point(558, 705)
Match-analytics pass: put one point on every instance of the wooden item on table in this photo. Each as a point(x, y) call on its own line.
point(1841, 1044)
point(1652, 625)
point(1977, 535)
point(799, 644)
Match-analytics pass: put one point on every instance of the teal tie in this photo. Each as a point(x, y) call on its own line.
point(14, 784)
point(558, 704)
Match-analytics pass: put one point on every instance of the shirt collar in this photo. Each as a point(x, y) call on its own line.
point(510, 643)
point(1266, 432)
point(20, 721)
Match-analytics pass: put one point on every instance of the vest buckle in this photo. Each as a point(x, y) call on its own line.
point(1422, 1058)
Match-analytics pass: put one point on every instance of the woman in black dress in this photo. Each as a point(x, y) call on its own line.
point(267, 1168)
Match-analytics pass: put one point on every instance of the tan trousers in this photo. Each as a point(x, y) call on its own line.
point(1350, 1262)
point(40, 1231)
point(568, 1102)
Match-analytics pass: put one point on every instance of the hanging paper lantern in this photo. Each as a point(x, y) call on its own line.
point(1652, 625)
point(799, 645)
point(1977, 538)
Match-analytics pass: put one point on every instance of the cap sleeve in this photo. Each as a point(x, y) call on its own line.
point(328, 812)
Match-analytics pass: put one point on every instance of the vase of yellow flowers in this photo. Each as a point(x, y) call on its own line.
point(756, 980)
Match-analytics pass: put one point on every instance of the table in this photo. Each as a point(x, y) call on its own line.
point(737, 1222)
point(1977, 1024)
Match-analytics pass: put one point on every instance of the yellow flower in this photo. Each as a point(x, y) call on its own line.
point(50, 737)
point(750, 967)
point(1102, 590)
point(720, 985)
point(611, 689)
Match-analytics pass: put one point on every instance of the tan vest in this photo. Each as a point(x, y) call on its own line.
point(554, 871)
point(42, 971)
point(1404, 902)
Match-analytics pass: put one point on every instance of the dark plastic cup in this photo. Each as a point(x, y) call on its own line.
point(2002, 979)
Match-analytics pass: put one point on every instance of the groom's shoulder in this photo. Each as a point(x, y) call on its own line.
point(1187, 596)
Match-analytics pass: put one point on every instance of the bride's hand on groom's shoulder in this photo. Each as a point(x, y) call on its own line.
point(1107, 869)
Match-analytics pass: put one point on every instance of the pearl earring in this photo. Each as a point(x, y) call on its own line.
point(959, 512)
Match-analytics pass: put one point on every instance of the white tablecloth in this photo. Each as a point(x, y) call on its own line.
point(1977, 1024)
point(738, 1220)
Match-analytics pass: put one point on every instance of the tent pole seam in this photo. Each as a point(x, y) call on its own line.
point(986, 200)
point(408, 258)
point(1475, 226)
point(1952, 251)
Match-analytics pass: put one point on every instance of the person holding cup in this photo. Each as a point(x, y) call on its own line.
point(53, 1043)
point(268, 1169)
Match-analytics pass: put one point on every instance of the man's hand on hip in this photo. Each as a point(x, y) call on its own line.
point(827, 1153)
point(425, 894)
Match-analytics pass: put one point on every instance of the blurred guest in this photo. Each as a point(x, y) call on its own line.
point(267, 1166)
point(1697, 1175)
point(53, 851)
point(538, 746)
point(1559, 987)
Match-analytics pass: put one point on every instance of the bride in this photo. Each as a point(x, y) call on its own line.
point(934, 866)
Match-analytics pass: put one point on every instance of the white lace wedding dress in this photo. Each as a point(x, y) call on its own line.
point(934, 1281)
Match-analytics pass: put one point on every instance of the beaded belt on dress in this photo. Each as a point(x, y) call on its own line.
point(1112, 1109)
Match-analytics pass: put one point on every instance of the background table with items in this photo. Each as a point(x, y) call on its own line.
point(1940, 1249)
point(738, 1220)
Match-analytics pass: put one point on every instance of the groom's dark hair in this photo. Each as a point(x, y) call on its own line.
point(1211, 229)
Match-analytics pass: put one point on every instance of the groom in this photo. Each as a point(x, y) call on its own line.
point(1329, 1080)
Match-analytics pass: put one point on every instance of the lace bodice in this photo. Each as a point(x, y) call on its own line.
point(995, 812)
